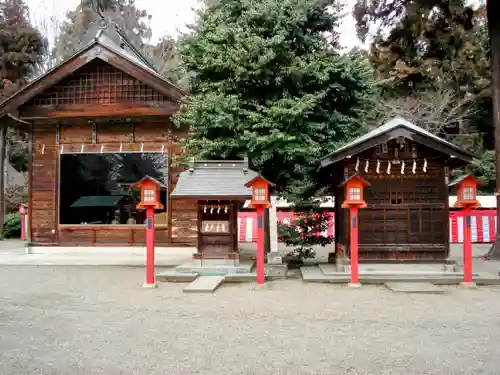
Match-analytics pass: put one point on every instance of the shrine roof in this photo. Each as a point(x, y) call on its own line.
point(212, 179)
point(98, 201)
point(98, 43)
point(392, 129)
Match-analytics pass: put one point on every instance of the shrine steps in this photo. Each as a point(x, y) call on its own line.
point(206, 279)
point(317, 275)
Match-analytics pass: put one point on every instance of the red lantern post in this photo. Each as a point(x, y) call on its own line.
point(260, 201)
point(354, 201)
point(150, 201)
point(22, 213)
point(467, 199)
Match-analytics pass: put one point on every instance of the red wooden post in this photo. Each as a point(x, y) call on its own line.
point(22, 213)
point(466, 200)
point(260, 245)
point(150, 247)
point(467, 246)
point(354, 246)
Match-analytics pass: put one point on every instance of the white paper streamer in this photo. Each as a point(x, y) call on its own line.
point(82, 148)
point(414, 169)
point(121, 147)
point(102, 149)
point(162, 148)
point(403, 167)
point(211, 210)
point(367, 165)
point(142, 147)
point(389, 168)
point(357, 165)
point(205, 209)
point(62, 149)
point(43, 149)
point(425, 165)
point(225, 209)
point(378, 167)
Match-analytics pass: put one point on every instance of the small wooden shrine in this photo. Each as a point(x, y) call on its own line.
point(407, 167)
point(218, 188)
point(98, 122)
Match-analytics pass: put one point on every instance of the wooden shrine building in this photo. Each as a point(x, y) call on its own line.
point(98, 123)
point(408, 170)
point(218, 190)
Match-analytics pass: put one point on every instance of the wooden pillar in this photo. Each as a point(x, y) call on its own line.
point(3, 140)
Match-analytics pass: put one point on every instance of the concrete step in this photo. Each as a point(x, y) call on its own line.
point(314, 274)
point(215, 270)
point(240, 277)
point(426, 288)
point(176, 277)
point(204, 284)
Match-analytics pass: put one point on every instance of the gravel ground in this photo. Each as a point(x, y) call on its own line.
point(97, 320)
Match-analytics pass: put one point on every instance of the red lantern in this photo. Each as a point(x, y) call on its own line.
point(150, 193)
point(150, 200)
point(354, 201)
point(260, 200)
point(260, 192)
point(467, 200)
point(467, 192)
point(354, 192)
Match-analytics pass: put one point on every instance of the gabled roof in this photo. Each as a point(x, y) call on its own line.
point(102, 46)
point(97, 201)
point(213, 179)
point(388, 131)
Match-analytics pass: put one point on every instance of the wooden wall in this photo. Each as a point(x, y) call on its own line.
point(152, 135)
point(407, 213)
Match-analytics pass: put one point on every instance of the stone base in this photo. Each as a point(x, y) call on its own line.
point(275, 271)
point(354, 285)
point(149, 286)
point(215, 262)
point(471, 285)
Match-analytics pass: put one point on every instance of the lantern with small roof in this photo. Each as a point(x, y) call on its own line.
point(260, 192)
point(466, 187)
point(354, 187)
point(150, 193)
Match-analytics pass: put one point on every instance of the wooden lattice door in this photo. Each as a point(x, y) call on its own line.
point(403, 211)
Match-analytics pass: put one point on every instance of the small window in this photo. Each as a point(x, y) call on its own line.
point(260, 194)
point(149, 195)
point(468, 194)
point(354, 194)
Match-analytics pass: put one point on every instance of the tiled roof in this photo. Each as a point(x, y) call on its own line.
point(215, 179)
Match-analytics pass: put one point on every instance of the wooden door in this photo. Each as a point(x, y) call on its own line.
point(404, 211)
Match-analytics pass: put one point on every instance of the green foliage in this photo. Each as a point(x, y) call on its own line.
point(421, 48)
point(12, 225)
point(305, 232)
point(23, 48)
point(267, 81)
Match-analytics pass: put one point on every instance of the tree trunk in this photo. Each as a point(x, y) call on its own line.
point(3, 140)
point(493, 10)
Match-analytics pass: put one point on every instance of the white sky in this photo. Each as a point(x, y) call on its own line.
point(168, 16)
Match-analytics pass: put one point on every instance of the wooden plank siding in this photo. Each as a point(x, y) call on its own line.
point(407, 213)
point(150, 135)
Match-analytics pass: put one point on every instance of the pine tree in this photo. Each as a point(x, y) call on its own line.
point(268, 82)
point(133, 22)
point(22, 47)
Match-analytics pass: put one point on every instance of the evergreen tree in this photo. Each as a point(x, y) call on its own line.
point(133, 22)
point(22, 47)
point(267, 82)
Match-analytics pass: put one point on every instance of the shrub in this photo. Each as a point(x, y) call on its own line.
point(12, 225)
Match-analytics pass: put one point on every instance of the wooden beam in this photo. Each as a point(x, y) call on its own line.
point(44, 82)
point(99, 110)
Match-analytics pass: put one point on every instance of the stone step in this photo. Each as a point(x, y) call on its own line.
point(214, 270)
point(176, 277)
point(314, 274)
point(426, 288)
point(204, 284)
point(240, 277)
